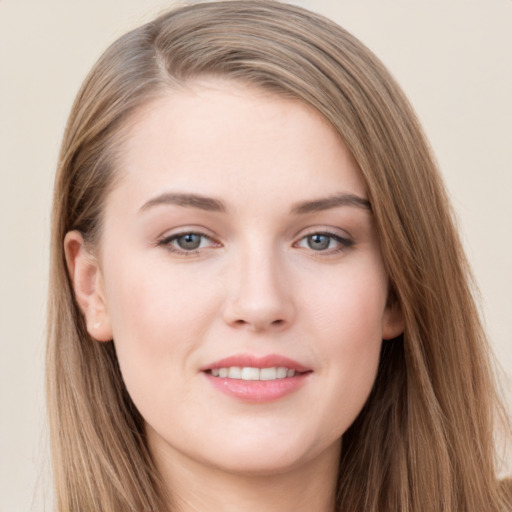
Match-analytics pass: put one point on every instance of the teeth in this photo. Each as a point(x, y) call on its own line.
point(268, 374)
point(235, 372)
point(281, 372)
point(248, 373)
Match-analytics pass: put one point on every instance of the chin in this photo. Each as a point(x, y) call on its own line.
point(270, 458)
point(261, 466)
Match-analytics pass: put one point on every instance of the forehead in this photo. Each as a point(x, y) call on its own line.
point(225, 138)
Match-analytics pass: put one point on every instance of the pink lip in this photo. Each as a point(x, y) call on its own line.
point(247, 360)
point(257, 391)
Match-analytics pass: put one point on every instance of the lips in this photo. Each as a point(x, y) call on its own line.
point(250, 361)
point(256, 379)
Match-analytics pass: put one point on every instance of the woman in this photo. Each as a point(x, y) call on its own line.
point(258, 297)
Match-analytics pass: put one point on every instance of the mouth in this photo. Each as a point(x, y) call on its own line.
point(257, 379)
point(252, 373)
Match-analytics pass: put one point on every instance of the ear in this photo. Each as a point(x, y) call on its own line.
point(393, 323)
point(87, 281)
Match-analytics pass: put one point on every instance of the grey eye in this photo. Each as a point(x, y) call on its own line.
point(318, 242)
point(189, 242)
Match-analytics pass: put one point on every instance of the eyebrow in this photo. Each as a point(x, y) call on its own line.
point(187, 200)
point(216, 205)
point(334, 201)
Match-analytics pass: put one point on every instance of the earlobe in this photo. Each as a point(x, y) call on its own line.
point(393, 323)
point(87, 281)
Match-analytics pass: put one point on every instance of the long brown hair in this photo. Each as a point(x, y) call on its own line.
point(424, 440)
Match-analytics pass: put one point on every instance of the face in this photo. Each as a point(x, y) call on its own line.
point(240, 277)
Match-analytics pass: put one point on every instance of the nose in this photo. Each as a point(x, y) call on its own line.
point(259, 297)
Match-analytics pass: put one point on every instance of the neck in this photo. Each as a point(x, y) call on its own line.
point(195, 487)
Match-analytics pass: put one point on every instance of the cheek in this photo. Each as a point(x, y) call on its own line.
point(156, 327)
point(349, 319)
point(354, 342)
point(351, 308)
point(151, 302)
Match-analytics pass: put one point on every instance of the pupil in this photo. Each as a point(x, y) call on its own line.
point(318, 242)
point(189, 241)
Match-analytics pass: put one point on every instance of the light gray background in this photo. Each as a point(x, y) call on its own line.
point(452, 57)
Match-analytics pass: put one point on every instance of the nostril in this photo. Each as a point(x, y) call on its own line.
point(259, 325)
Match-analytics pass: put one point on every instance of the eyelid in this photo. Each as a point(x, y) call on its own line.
point(334, 231)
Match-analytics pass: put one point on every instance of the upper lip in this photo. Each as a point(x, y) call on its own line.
point(251, 361)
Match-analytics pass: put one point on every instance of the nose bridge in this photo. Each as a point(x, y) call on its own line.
point(259, 295)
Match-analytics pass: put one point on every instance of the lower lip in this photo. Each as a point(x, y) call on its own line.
point(258, 391)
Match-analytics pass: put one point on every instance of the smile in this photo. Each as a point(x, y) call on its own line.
point(251, 373)
point(257, 379)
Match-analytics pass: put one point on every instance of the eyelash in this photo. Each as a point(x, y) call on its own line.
point(167, 242)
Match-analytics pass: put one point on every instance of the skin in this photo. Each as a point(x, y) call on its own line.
point(255, 285)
